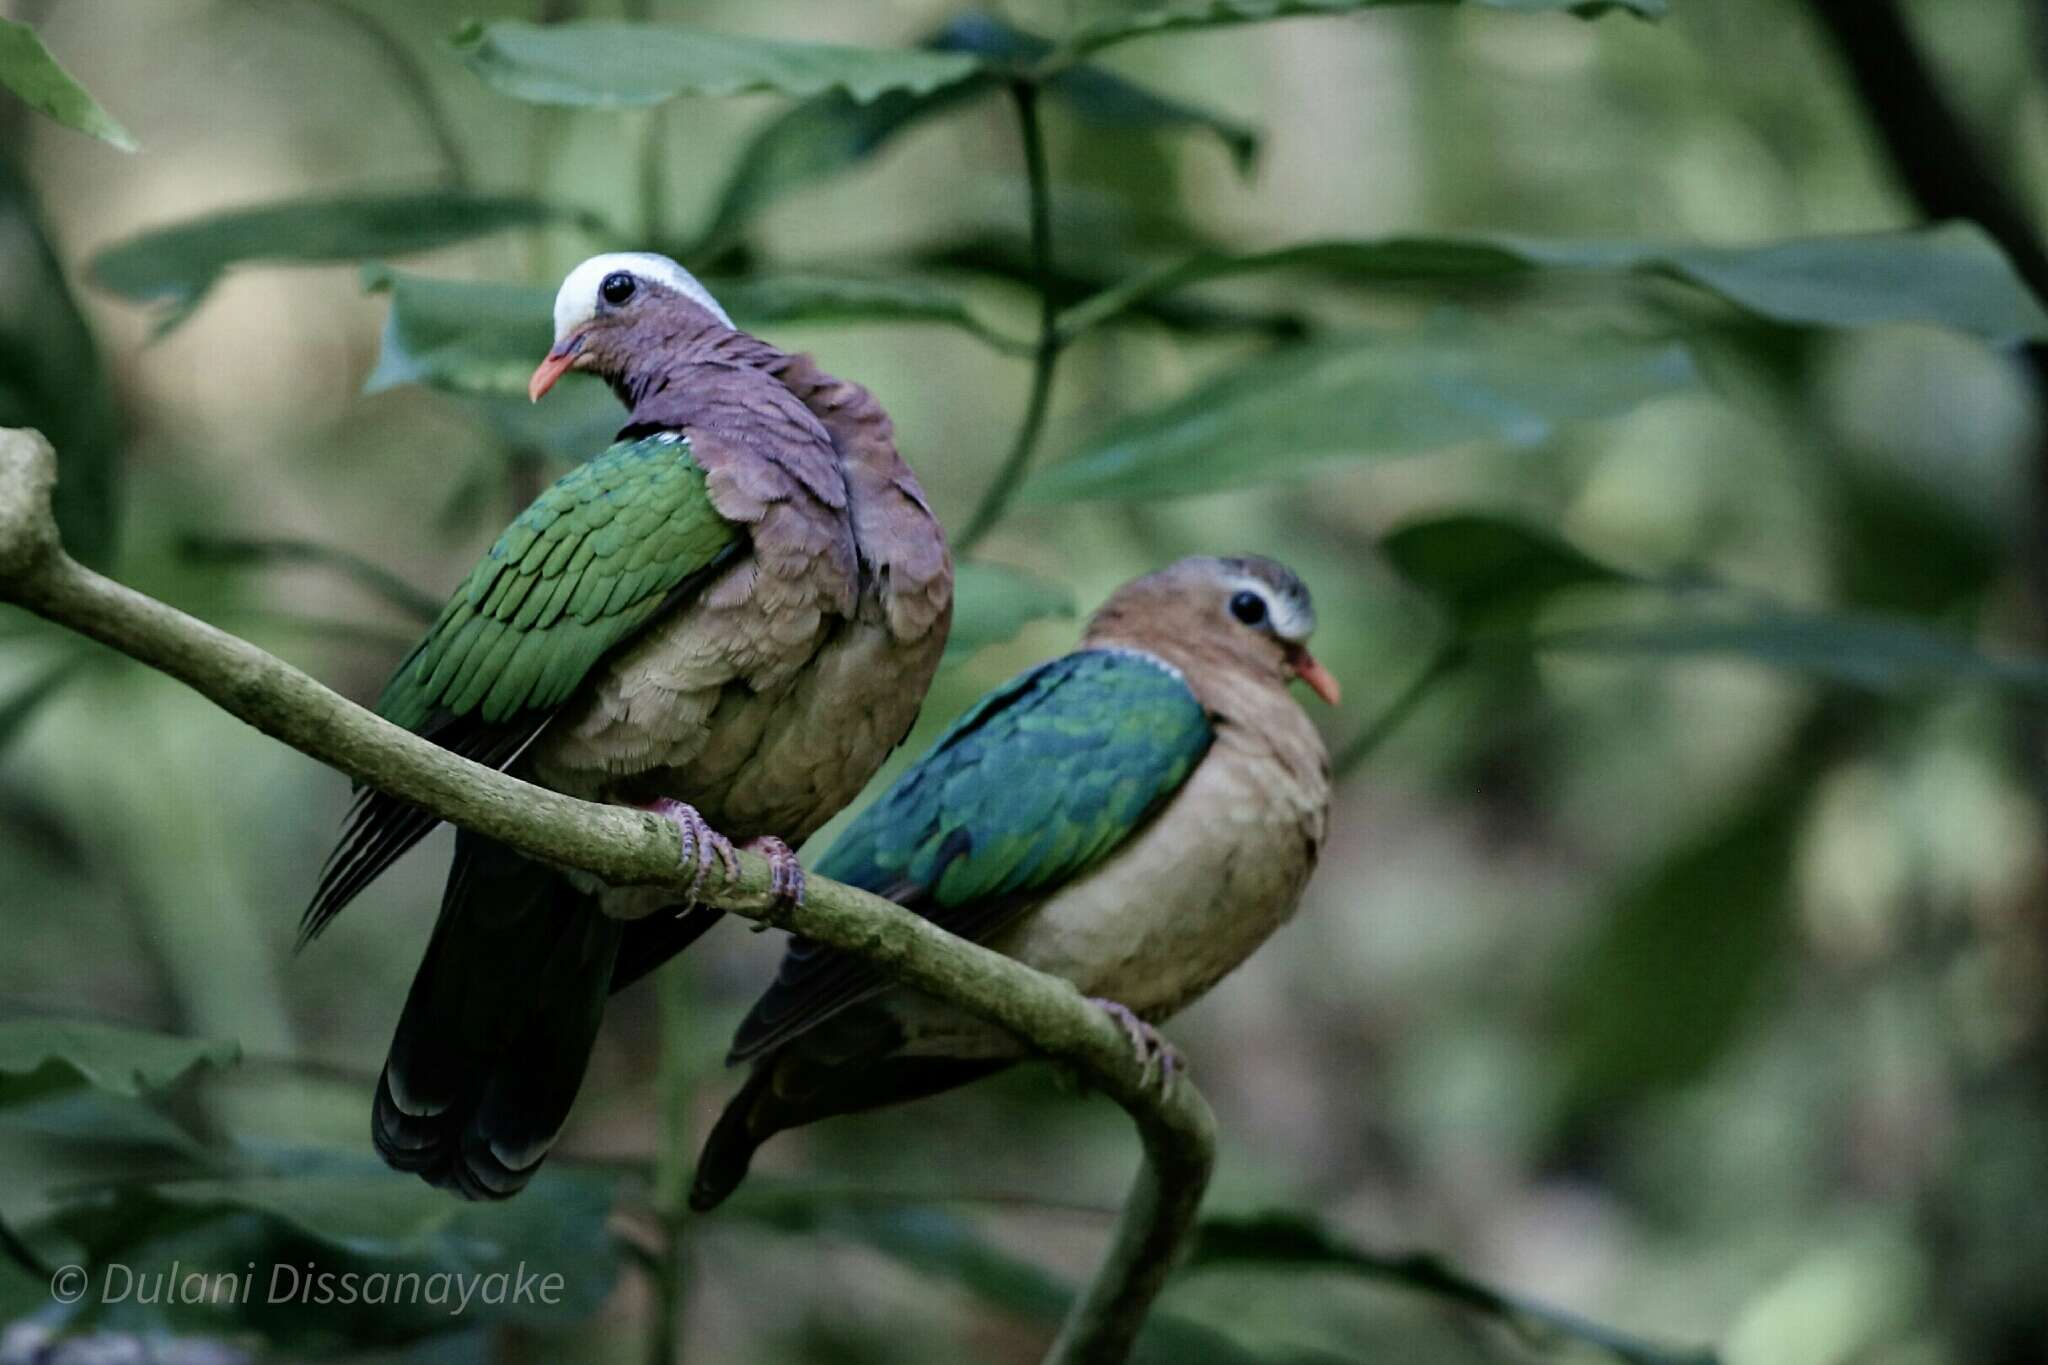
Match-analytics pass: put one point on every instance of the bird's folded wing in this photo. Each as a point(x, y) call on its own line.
point(610, 546)
point(1043, 779)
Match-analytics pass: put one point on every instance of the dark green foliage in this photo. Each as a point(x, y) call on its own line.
point(174, 267)
point(39, 1057)
point(1370, 395)
point(1950, 276)
point(51, 378)
point(1299, 1243)
point(1681, 960)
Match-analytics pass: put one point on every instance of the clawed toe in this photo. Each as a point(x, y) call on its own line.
point(701, 844)
point(786, 874)
point(1154, 1053)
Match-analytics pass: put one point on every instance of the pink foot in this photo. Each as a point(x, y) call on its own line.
point(701, 843)
point(786, 883)
point(1151, 1050)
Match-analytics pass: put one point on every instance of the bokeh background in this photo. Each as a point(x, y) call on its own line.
point(1685, 973)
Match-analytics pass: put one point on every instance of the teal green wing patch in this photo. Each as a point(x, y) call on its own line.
point(582, 569)
point(592, 561)
point(1040, 781)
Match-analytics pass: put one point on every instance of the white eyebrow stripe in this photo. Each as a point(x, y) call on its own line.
point(576, 300)
point(1293, 621)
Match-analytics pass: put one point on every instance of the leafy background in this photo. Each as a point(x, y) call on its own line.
point(1674, 982)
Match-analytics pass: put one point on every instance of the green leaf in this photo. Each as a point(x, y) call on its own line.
point(602, 64)
point(175, 266)
point(1681, 959)
point(1876, 653)
point(765, 300)
point(471, 337)
point(1301, 1243)
point(28, 69)
point(52, 379)
point(466, 336)
point(831, 133)
point(1490, 572)
point(1369, 395)
point(1138, 21)
point(39, 1056)
point(312, 1212)
point(992, 602)
point(1951, 276)
point(814, 141)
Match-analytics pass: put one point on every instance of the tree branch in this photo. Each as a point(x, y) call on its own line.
point(626, 848)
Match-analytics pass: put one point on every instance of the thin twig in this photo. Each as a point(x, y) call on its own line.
point(1046, 354)
point(671, 1165)
point(261, 550)
point(634, 848)
point(418, 87)
point(1446, 657)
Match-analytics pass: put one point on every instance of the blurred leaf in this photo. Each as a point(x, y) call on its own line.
point(51, 379)
point(114, 1134)
point(1138, 21)
point(258, 552)
point(1368, 395)
point(602, 64)
point(1109, 101)
point(317, 1212)
point(1299, 1242)
point(1881, 654)
point(814, 141)
point(1952, 276)
point(175, 266)
point(1490, 572)
point(831, 133)
point(768, 299)
point(1681, 959)
point(944, 1246)
point(478, 337)
point(992, 602)
point(39, 1056)
point(28, 69)
point(16, 711)
point(467, 336)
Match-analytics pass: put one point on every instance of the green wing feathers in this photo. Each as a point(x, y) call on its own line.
point(581, 570)
point(1034, 785)
point(1039, 782)
point(594, 559)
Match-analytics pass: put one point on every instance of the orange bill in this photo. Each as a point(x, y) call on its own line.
point(1320, 680)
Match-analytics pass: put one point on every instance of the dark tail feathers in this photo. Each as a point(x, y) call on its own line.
point(810, 1079)
point(498, 1027)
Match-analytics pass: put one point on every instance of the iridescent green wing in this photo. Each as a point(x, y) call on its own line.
point(1038, 783)
point(584, 568)
point(610, 546)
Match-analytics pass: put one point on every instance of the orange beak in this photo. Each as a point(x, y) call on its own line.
point(1320, 680)
point(554, 367)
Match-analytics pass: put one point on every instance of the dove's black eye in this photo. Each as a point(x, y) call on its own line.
point(1249, 608)
point(617, 288)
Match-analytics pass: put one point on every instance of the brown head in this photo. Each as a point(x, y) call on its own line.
point(1245, 614)
point(618, 312)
